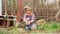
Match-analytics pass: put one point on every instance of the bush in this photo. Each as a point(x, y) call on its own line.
point(40, 22)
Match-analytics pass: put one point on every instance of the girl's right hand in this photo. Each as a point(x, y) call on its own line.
point(28, 22)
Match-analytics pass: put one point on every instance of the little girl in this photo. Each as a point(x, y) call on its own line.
point(29, 18)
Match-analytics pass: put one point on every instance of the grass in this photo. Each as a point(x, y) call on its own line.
point(49, 27)
point(44, 28)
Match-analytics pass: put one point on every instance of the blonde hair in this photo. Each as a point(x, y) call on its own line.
point(27, 7)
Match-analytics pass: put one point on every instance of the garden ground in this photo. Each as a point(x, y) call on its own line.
point(47, 28)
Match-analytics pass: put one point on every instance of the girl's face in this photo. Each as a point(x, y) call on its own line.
point(28, 12)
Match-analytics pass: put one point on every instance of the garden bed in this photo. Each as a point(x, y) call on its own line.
point(51, 28)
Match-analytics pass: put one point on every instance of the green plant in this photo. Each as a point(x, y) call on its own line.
point(49, 27)
point(2, 31)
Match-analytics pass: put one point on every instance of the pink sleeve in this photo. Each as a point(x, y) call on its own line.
point(24, 17)
point(33, 18)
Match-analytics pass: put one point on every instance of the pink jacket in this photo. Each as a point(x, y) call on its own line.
point(32, 17)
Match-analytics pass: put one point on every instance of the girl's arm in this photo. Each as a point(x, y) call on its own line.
point(33, 18)
point(24, 17)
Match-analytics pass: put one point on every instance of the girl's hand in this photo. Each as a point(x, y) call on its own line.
point(28, 22)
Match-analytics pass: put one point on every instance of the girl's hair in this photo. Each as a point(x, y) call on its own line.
point(27, 7)
point(28, 10)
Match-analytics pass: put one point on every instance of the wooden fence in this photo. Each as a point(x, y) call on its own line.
point(42, 8)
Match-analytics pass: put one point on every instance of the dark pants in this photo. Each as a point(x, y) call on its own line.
point(28, 27)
